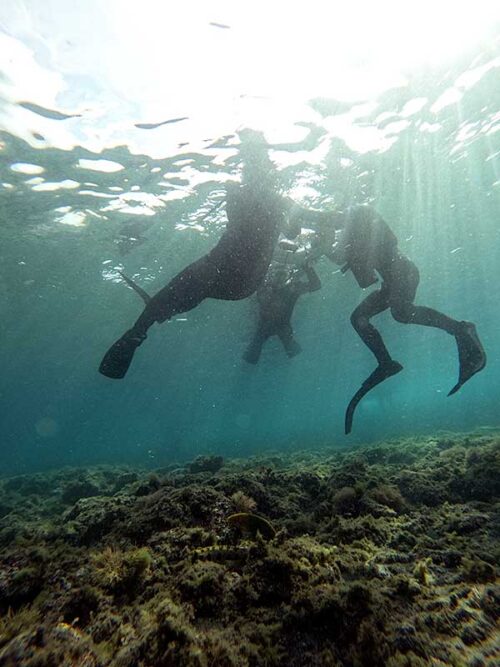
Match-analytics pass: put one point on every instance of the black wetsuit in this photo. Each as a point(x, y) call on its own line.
point(371, 246)
point(276, 304)
point(237, 265)
point(232, 270)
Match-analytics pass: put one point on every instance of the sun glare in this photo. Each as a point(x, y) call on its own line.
point(201, 68)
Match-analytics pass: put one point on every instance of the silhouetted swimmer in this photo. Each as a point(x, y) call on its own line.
point(368, 247)
point(277, 299)
point(233, 269)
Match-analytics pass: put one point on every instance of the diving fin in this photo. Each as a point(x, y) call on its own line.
point(118, 358)
point(471, 355)
point(381, 373)
point(142, 293)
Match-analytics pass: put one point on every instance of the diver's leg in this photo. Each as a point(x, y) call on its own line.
point(184, 292)
point(285, 334)
point(253, 351)
point(375, 303)
point(401, 296)
point(471, 355)
point(409, 313)
point(402, 293)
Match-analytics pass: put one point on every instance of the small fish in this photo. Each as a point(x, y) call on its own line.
point(252, 524)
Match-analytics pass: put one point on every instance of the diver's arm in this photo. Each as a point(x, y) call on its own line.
point(316, 219)
point(313, 283)
point(299, 217)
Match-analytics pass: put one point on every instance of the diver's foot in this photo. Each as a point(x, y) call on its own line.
point(293, 349)
point(118, 358)
point(471, 355)
point(382, 372)
point(251, 357)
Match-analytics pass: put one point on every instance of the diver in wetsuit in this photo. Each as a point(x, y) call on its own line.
point(277, 298)
point(233, 269)
point(368, 245)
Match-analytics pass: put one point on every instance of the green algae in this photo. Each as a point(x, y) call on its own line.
point(116, 569)
point(12, 623)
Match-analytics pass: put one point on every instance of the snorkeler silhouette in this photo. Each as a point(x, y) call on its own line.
point(234, 269)
point(277, 298)
point(368, 245)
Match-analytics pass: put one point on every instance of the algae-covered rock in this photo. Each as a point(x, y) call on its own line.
point(347, 501)
point(90, 519)
point(79, 489)
point(478, 570)
point(387, 495)
point(206, 464)
point(19, 584)
point(481, 478)
point(420, 488)
point(123, 480)
point(60, 645)
point(202, 584)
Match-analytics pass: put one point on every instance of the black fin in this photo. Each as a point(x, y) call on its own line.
point(380, 374)
point(471, 355)
point(142, 293)
point(118, 358)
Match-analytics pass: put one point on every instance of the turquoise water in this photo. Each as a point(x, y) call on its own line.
point(423, 149)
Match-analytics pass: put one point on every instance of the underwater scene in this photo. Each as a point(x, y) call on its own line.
point(250, 333)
